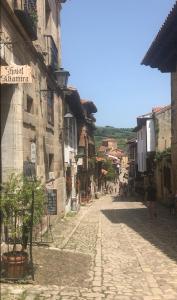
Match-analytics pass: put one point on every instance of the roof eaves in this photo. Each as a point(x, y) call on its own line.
point(159, 43)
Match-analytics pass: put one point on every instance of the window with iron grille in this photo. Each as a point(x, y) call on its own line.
point(29, 105)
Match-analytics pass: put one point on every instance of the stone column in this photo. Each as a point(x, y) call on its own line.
point(11, 130)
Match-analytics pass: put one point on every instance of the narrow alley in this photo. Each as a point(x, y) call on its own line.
point(110, 250)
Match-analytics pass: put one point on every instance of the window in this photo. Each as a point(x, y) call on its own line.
point(47, 13)
point(50, 107)
point(29, 105)
point(66, 128)
point(51, 162)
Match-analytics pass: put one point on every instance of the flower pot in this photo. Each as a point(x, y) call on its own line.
point(15, 264)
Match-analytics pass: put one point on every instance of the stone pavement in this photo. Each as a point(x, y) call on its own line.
point(119, 252)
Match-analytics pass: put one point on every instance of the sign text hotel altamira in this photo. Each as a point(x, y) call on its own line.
point(15, 74)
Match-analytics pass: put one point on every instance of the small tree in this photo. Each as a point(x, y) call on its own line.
point(16, 207)
point(111, 175)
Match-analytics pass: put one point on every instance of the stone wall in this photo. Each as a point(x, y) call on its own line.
point(163, 129)
point(163, 142)
point(19, 126)
point(174, 127)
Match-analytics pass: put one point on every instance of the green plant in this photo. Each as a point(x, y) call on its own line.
point(16, 206)
point(163, 154)
point(34, 16)
point(111, 174)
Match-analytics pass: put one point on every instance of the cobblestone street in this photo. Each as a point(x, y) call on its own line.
point(110, 250)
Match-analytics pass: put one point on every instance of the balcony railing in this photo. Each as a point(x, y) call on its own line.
point(26, 11)
point(52, 53)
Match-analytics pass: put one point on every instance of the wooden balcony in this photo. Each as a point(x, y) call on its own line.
point(52, 53)
point(26, 11)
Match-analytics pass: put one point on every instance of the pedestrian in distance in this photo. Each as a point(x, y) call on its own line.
point(151, 200)
point(121, 192)
point(125, 189)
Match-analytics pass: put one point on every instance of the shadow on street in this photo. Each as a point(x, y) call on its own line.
point(161, 232)
point(117, 198)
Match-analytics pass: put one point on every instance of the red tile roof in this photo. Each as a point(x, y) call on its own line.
point(163, 109)
point(100, 159)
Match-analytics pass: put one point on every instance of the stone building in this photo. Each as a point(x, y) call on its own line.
point(31, 99)
point(110, 143)
point(132, 163)
point(145, 143)
point(163, 177)
point(86, 151)
point(73, 116)
point(162, 55)
point(154, 150)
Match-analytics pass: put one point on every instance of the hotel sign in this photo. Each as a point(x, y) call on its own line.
point(15, 74)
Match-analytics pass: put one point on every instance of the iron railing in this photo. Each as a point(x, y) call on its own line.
point(27, 5)
point(26, 11)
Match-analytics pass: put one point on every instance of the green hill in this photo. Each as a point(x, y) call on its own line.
point(120, 134)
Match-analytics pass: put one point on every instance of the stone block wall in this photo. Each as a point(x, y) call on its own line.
point(163, 129)
point(174, 127)
point(19, 127)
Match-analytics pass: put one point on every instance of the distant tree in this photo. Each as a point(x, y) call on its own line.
point(120, 134)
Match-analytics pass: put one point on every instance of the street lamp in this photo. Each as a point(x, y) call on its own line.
point(62, 78)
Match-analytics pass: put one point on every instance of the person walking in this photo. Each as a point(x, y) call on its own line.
point(121, 192)
point(151, 200)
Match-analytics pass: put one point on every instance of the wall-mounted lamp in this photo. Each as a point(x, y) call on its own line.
point(68, 116)
point(62, 78)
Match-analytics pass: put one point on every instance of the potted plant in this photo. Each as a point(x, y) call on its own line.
point(18, 218)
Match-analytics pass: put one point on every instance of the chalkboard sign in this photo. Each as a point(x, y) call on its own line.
point(52, 202)
point(29, 169)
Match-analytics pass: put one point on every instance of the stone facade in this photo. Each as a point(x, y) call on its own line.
point(110, 143)
point(162, 55)
point(31, 114)
point(163, 164)
point(163, 128)
point(174, 128)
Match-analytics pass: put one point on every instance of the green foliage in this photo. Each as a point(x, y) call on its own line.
point(110, 176)
point(34, 16)
point(16, 203)
point(163, 154)
point(39, 196)
point(120, 134)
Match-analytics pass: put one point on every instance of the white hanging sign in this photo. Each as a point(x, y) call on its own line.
point(33, 152)
point(15, 74)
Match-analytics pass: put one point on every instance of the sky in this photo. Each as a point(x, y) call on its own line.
point(103, 44)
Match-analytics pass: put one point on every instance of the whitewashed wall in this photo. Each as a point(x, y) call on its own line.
point(141, 149)
point(70, 147)
point(150, 135)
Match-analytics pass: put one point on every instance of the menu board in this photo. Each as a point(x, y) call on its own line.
point(52, 201)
